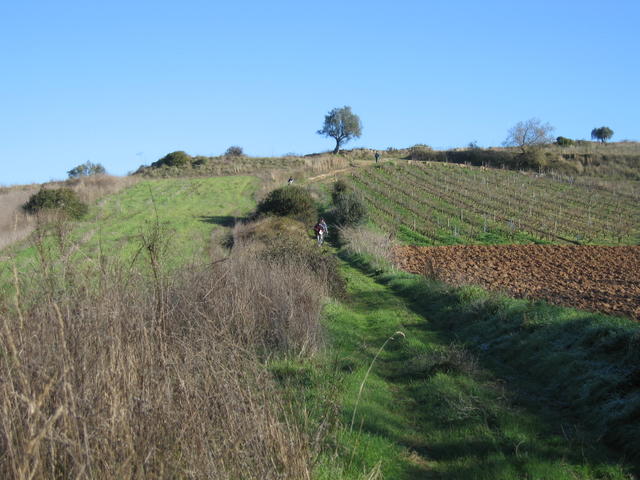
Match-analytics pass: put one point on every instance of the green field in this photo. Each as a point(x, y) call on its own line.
point(185, 211)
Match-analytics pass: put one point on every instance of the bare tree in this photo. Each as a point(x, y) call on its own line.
point(528, 134)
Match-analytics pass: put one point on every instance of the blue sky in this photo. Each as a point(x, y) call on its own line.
point(123, 83)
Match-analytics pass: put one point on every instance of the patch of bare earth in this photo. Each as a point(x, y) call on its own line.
point(595, 278)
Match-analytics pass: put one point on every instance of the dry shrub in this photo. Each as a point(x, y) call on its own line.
point(261, 303)
point(270, 229)
point(283, 242)
point(108, 372)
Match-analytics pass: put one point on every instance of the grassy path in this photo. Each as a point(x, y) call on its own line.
point(428, 410)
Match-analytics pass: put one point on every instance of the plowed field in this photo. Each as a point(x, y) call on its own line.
point(596, 278)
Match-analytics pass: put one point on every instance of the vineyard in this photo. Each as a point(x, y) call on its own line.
point(430, 203)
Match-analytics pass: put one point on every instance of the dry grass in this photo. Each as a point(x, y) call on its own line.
point(363, 241)
point(300, 170)
point(113, 371)
point(92, 188)
point(16, 225)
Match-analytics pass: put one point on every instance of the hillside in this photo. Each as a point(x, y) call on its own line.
point(156, 339)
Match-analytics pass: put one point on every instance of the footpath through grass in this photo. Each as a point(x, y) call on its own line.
point(428, 409)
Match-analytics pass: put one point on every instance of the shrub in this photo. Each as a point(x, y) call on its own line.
point(564, 141)
point(322, 265)
point(63, 199)
point(339, 187)
point(173, 159)
point(268, 230)
point(348, 208)
point(420, 152)
point(234, 151)
point(289, 201)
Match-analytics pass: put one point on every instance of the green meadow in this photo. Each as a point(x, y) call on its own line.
point(186, 212)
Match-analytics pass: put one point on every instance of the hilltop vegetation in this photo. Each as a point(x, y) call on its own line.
point(614, 161)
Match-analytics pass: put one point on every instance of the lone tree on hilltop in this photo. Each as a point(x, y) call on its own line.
point(342, 125)
point(601, 134)
point(234, 151)
point(86, 169)
point(528, 134)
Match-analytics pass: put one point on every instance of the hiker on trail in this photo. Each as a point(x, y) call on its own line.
point(324, 226)
point(321, 230)
point(377, 156)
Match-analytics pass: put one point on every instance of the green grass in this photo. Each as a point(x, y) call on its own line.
point(428, 409)
point(571, 370)
point(189, 209)
point(186, 211)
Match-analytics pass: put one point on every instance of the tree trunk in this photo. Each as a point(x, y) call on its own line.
point(337, 149)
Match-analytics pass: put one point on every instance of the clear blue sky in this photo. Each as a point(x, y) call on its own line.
point(124, 82)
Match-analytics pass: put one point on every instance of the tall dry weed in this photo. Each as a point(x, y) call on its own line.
point(93, 187)
point(98, 381)
point(15, 224)
point(363, 241)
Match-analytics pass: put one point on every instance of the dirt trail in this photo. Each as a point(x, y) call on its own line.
point(595, 278)
point(328, 174)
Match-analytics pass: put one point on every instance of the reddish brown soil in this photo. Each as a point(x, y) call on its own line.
point(596, 278)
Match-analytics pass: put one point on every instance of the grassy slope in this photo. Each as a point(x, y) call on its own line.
point(427, 410)
point(188, 210)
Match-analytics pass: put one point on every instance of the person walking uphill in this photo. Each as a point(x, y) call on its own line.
point(321, 230)
point(324, 226)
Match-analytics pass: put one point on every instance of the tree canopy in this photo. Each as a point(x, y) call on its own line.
point(342, 125)
point(528, 134)
point(601, 134)
point(86, 169)
point(234, 151)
